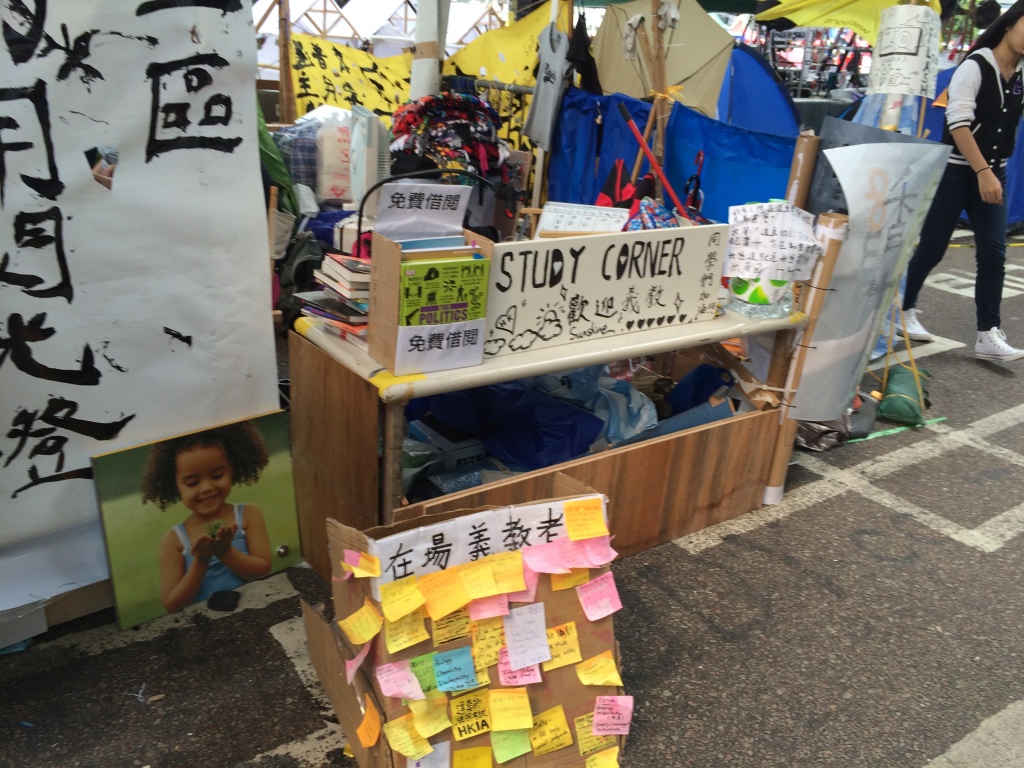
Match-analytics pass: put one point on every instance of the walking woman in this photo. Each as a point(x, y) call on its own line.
point(986, 94)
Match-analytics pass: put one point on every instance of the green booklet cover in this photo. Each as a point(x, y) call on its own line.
point(436, 291)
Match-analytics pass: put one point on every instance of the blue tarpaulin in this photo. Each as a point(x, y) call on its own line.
point(753, 97)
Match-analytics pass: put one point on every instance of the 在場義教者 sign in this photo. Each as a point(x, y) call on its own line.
point(545, 293)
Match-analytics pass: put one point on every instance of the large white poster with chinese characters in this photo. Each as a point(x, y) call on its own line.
point(134, 281)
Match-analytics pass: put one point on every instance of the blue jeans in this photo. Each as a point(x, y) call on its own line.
point(958, 191)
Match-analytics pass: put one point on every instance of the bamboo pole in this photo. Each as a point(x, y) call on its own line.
point(286, 90)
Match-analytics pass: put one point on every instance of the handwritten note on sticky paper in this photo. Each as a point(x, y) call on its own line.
point(508, 571)
point(454, 670)
point(482, 676)
point(508, 745)
point(406, 632)
point(584, 518)
point(352, 666)
point(599, 597)
point(451, 627)
point(360, 564)
point(599, 670)
point(397, 680)
point(565, 646)
point(526, 636)
point(488, 639)
point(405, 739)
point(612, 715)
point(478, 578)
point(441, 757)
point(577, 576)
point(510, 709)
point(444, 593)
point(488, 607)
point(369, 729)
point(599, 551)
point(477, 757)
point(607, 759)
point(529, 594)
point(550, 731)
point(430, 715)
point(587, 742)
point(470, 716)
point(400, 598)
point(423, 668)
point(545, 558)
point(362, 625)
point(508, 676)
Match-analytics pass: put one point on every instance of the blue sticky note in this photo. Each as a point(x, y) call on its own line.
point(454, 670)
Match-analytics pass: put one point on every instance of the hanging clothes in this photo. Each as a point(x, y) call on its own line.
point(552, 69)
point(583, 60)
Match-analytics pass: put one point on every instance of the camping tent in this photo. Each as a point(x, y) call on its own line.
point(753, 97)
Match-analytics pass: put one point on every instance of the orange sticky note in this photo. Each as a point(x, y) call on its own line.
point(478, 578)
point(574, 578)
point(444, 593)
point(564, 643)
point(477, 757)
point(363, 625)
point(599, 670)
point(510, 709)
point(584, 518)
point(369, 730)
point(405, 739)
point(607, 759)
point(406, 632)
point(488, 638)
point(400, 598)
point(508, 571)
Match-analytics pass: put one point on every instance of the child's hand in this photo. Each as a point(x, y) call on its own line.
point(203, 548)
point(222, 540)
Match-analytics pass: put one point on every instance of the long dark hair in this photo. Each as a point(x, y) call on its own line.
point(992, 36)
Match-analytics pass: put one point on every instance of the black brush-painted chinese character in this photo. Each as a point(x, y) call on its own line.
point(28, 235)
point(547, 527)
point(399, 562)
point(438, 552)
point(16, 346)
point(479, 541)
point(35, 95)
point(20, 45)
point(517, 535)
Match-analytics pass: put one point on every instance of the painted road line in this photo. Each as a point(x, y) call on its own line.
point(291, 635)
point(256, 595)
point(996, 743)
point(935, 346)
point(961, 281)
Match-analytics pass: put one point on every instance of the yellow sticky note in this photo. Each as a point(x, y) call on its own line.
point(585, 738)
point(564, 643)
point(482, 676)
point(405, 739)
point(470, 716)
point(478, 757)
point(478, 578)
point(360, 564)
point(488, 638)
point(574, 578)
point(369, 730)
point(444, 593)
point(510, 709)
point(584, 518)
point(599, 670)
point(400, 598)
point(406, 632)
point(430, 715)
point(508, 572)
point(550, 731)
point(347, 751)
point(362, 625)
point(451, 627)
point(607, 759)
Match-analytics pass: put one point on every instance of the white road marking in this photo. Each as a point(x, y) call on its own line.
point(309, 751)
point(961, 281)
point(996, 743)
point(988, 537)
point(256, 595)
point(935, 346)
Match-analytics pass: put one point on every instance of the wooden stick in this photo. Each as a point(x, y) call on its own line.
point(286, 89)
point(651, 119)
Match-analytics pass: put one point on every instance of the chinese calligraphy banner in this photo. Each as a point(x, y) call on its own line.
point(337, 75)
point(889, 188)
point(544, 293)
point(906, 56)
point(134, 290)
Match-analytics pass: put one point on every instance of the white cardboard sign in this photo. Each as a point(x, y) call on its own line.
point(549, 292)
point(906, 56)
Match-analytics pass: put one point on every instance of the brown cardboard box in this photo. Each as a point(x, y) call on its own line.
point(385, 282)
point(330, 648)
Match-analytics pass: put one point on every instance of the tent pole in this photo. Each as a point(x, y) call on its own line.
point(285, 87)
point(658, 76)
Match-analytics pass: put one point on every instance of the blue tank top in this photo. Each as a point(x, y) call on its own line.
point(218, 576)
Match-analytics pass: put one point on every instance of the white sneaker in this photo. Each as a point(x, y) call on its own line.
point(914, 331)
point(991, 345)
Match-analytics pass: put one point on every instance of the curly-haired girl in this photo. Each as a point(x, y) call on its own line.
point(219, 546)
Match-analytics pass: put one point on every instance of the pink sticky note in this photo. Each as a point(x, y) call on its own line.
point(488, 607)
point(599, 551)
point(529, 594)
point(599, 597)
point(351, 557)
point(612, 715)
point(347, 575)
point(352, 666)
point(545, 558)
point(516, 677)
point(398, 680)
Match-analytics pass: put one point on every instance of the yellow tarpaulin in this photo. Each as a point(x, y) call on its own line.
point(507, 55)
point(862, 16)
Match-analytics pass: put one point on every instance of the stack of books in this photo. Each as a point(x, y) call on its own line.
point(342, 306)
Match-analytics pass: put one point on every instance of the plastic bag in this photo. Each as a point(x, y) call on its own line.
point(333, 159)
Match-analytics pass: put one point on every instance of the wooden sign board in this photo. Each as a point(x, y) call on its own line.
point(545, 293)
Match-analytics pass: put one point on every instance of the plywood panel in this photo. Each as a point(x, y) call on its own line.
point(658, 490)
point(334, 439)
